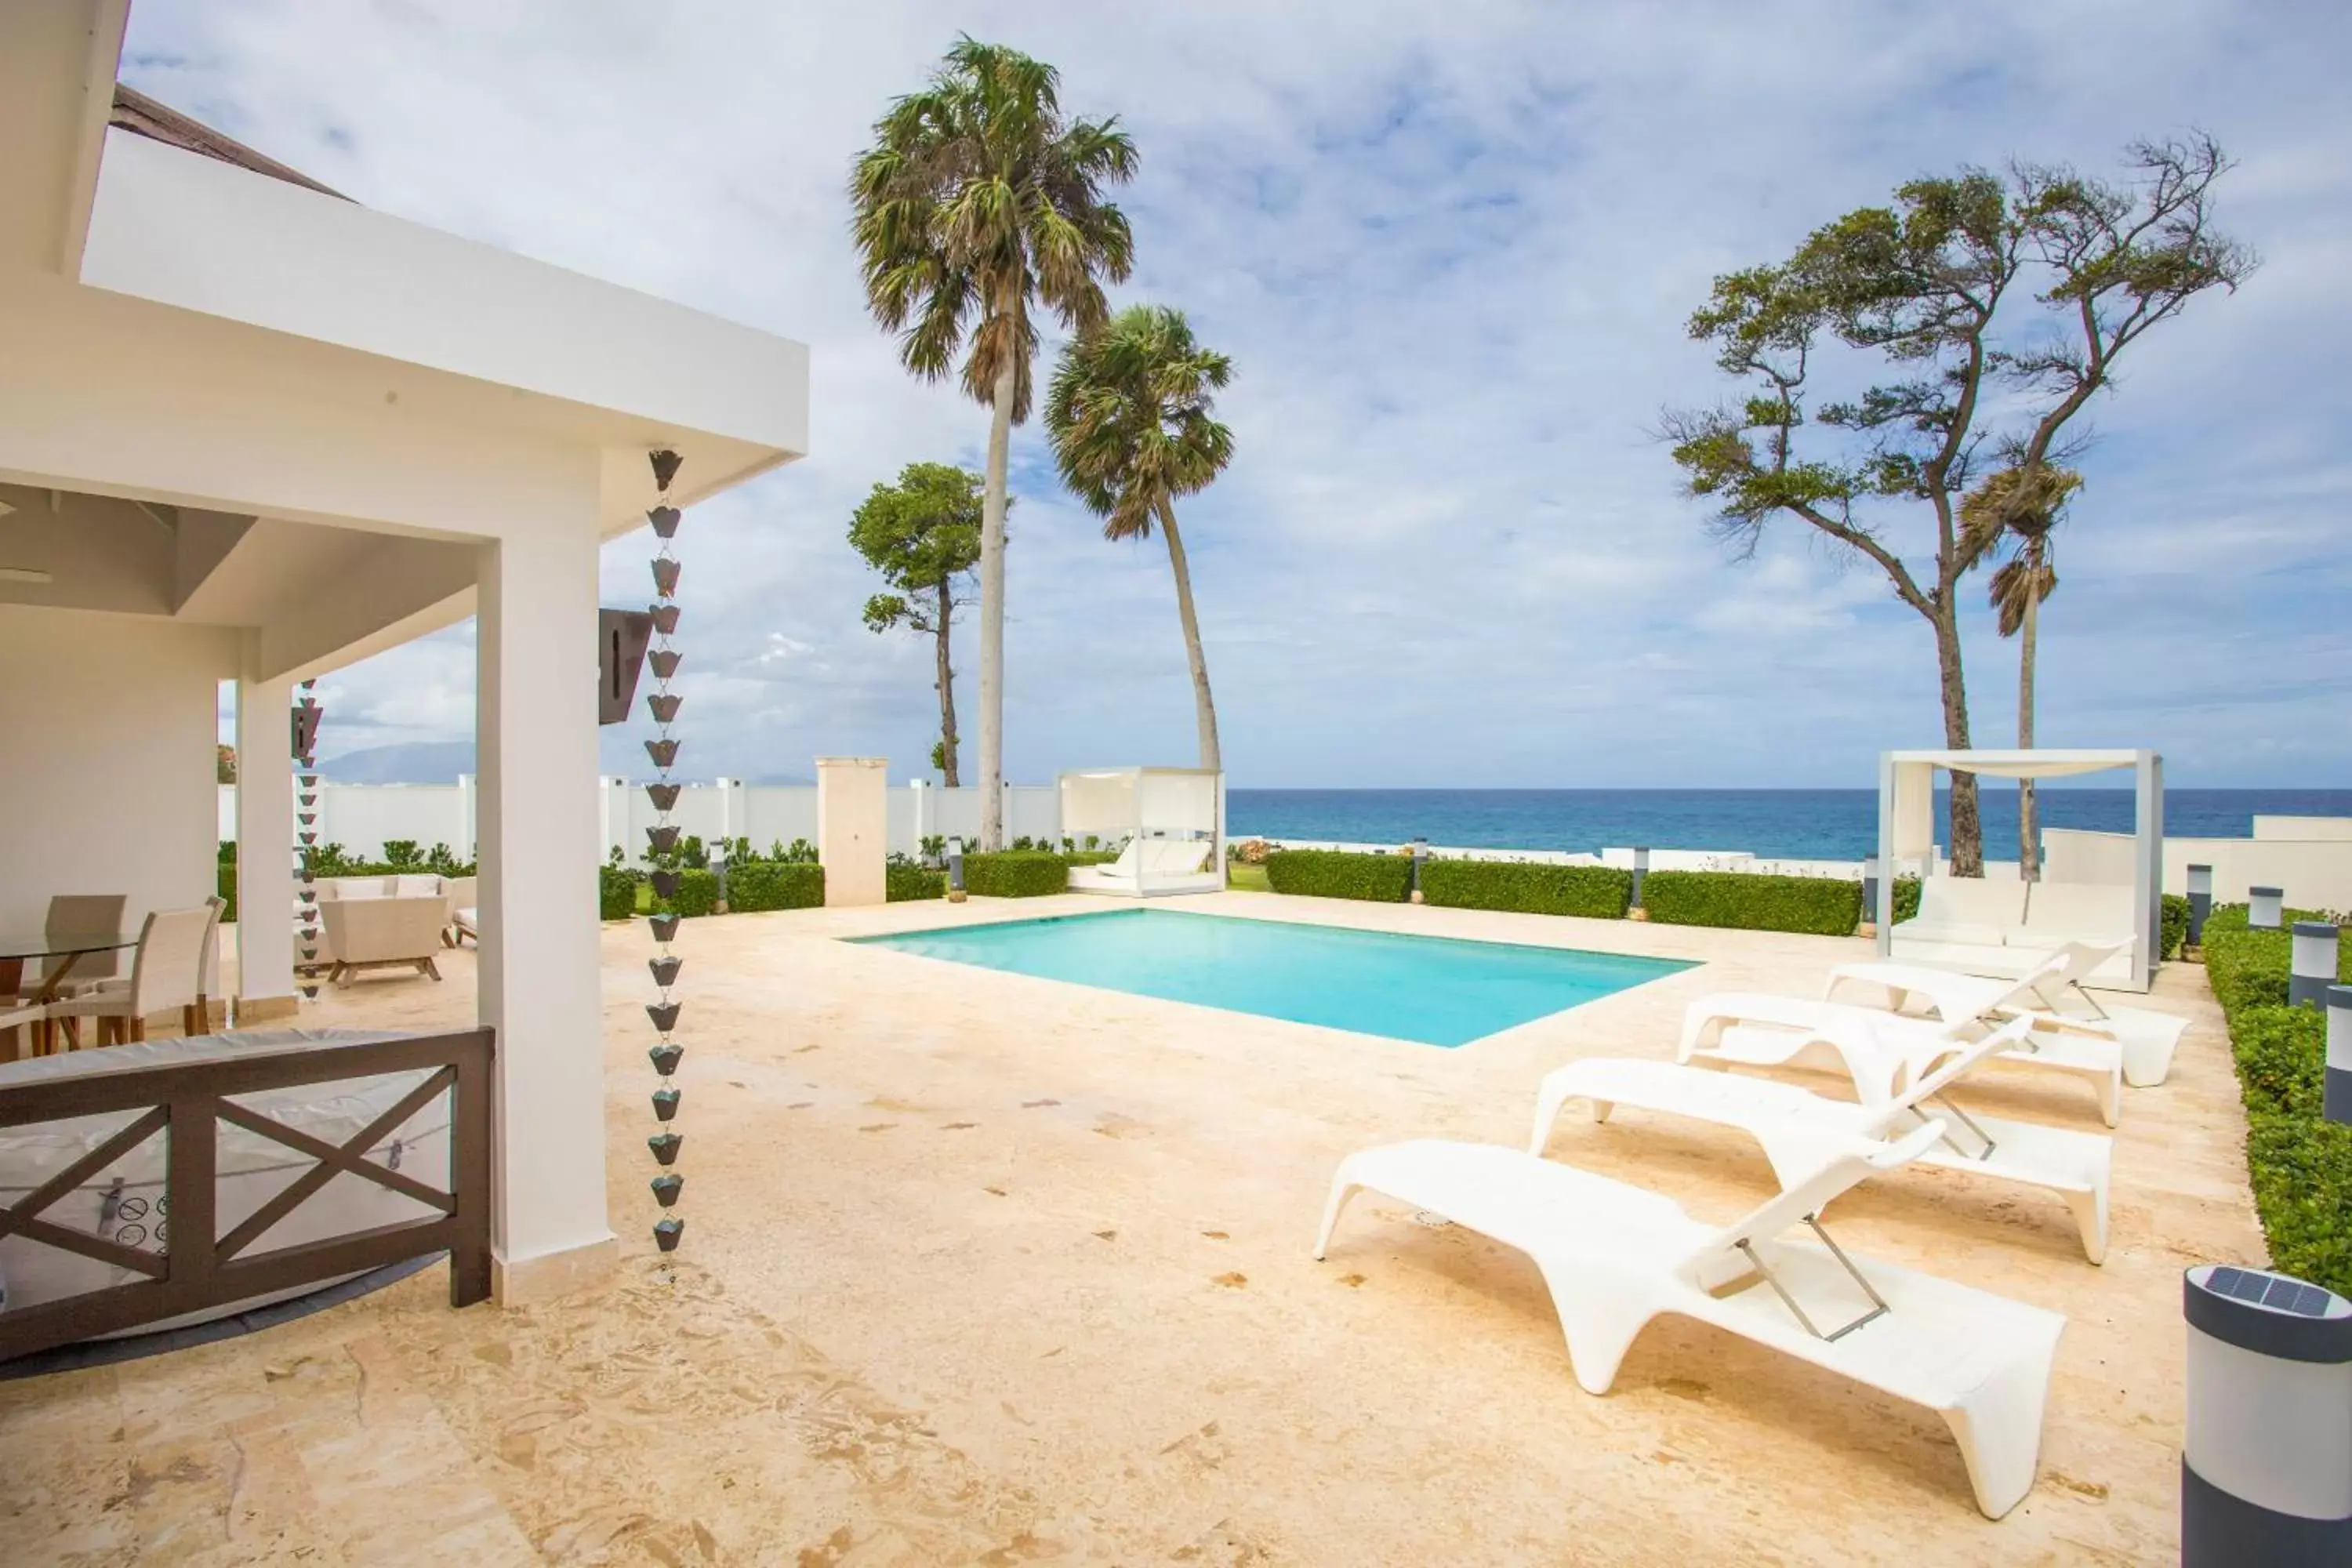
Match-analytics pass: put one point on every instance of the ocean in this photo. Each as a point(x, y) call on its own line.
point(1786, 823)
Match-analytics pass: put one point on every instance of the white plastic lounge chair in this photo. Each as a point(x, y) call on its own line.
point(1616, 1256)
point(2057, 1001)
point(1797, 1128)
point(1880, 1051)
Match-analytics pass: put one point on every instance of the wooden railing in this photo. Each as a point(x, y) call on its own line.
point(198, 1267)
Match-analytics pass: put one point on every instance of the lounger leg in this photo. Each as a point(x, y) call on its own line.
point(1547, 1107)
point(1999, 1429)
point(2090, 1211)
point(1343, 1189)
point(1599, 1325)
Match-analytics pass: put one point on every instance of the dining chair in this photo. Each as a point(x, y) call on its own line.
point(168, 973)
point(78, 914)
point(15, 1019)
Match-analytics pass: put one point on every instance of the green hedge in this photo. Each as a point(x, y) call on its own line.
point(698, 895)
point(225, 882)
point(1340, 874)
point(1743, 901)
point(1907, 900)
point(909, 884)
point(758, 885)
point(2299, 1166)
point(1596, 892)
point(616, 892)
point(1015, 874)
point(2176, 925)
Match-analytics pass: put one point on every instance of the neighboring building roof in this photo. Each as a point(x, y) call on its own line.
point(136, 112)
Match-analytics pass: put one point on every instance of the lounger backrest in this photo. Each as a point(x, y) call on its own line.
point(1962, 1059)
point(1971, 901)
point(1181, 856)
point(1846, 1163)
point(2080, 909)
point(1129, 854)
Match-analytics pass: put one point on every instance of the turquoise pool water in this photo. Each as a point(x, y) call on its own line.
point(1435, 990)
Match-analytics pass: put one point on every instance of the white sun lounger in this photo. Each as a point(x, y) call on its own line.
point(2057, 1001)
point(1797, 1128)
point(1616, 1256)
point(1880, 1051)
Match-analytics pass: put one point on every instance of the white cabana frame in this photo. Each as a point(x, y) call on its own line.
point(1906, 829)
point(1148, 805)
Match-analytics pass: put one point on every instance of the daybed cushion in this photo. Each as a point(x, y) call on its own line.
point(2061, 912)
point(1970, 911)
point(252, 1168)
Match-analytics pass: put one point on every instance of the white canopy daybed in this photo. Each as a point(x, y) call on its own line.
point(1173, 820)
point(1998, 925)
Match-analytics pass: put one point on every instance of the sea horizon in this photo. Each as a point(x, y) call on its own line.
point(1785, 823)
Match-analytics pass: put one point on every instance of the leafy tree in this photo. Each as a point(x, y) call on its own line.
point(2020, 507)
point(978, 202)
point(923, 535)
point(1932, 285)
point(224, 764)
point(1130, 412)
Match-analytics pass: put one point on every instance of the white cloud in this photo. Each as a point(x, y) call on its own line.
point(1451, 250)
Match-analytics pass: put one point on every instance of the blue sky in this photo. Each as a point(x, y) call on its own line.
point(1451, 251)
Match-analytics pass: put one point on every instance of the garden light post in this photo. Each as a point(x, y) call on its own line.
point(2265, 907)
point(2201, 902)
point(2266, 1454)
point(719, 872)
point(2337, 1096)
point(1420, 858)
point(955, 870)
point(1640, 871)
point(2311, 966)
point(1870, 890)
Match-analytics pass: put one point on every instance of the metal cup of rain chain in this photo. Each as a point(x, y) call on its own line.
point(955, 870)
point(1420, 858)
point(1640, 871)
point(2266, 1459)
point(667, 1232)
point(2337, 1101)
point(2265, 907)
point(2311, 964)
point(2201, 902)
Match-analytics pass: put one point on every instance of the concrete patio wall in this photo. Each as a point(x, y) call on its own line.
point(111, 726)
point(2316, 871)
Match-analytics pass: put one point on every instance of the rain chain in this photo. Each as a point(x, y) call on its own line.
point(664, 705)
point(307, 714)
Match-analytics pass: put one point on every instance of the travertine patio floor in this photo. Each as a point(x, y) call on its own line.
point(990, 1269)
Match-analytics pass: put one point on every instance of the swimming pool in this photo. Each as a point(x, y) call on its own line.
point(1438, 991)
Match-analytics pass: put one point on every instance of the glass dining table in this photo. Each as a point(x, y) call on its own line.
point(71, 947)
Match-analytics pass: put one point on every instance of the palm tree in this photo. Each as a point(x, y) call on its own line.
point(2021, 507)
point(1129, 415)
point(977, 200)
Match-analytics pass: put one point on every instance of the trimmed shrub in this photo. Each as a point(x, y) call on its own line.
point(226, 884)
point(760, 885)
point(2176, 925)
point(1596, 892)
point(2300, 1166)
point(1340, 874)
point(1743, 901)
point(2301, 1171)
point(616, 892)
point(1015, 874)
point(1907, 900)
point(697, 894)
point(908, 884)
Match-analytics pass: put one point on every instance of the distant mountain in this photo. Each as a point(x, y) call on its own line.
point(414, 762)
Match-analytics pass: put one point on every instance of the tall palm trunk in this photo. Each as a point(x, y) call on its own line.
point(1204, 707)
point(946, 689)
point(1968, 829)
point(992, 609)
point(2028, 848)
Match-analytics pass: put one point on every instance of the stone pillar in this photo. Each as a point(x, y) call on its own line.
point(535, 730)
point(265, 845)
point(853, 826)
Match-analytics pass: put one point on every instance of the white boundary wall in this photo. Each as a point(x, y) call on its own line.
point(361, 817)
point(2314, 870)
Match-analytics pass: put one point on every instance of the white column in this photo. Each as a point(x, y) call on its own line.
point(536, 740)
point(265, 845)
point(463, 843)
